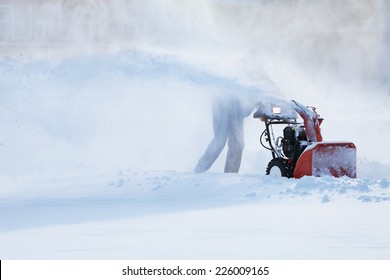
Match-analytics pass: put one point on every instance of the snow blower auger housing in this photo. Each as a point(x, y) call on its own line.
point(301, 150)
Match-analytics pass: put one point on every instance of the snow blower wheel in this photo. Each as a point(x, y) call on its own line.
point(279, 167)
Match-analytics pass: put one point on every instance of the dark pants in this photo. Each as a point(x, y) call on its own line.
point(228, 124)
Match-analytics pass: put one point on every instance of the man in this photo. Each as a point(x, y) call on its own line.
point(229, 112)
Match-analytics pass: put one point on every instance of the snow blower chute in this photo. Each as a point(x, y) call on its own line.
point(301, 150)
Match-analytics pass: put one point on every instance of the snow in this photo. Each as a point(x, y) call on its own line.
point(99, 139)
point(172, 215)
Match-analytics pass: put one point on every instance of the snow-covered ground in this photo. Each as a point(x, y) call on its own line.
point(173, 215)
point(98, 146)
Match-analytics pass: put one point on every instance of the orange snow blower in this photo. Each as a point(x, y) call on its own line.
point(301, 150)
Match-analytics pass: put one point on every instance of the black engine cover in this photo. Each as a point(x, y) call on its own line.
point(289, 141)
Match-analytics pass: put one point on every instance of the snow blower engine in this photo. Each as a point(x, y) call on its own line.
point(301, 151)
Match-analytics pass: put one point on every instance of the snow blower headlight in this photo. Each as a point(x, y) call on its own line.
point(276, 110)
